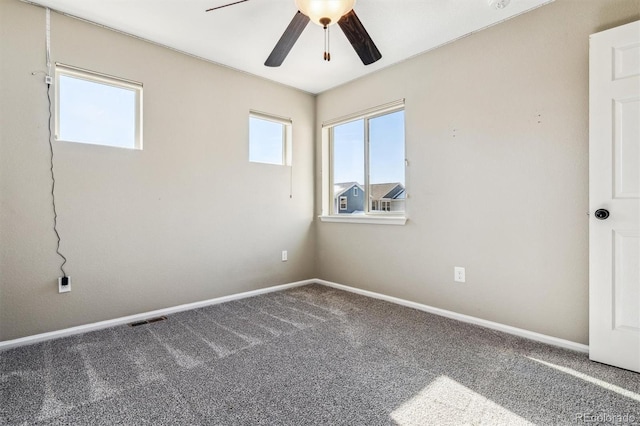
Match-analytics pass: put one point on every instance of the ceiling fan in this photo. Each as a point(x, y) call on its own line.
point(324, 13)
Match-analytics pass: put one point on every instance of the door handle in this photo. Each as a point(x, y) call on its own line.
point(602, 214)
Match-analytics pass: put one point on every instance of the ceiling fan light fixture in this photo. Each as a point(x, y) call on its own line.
point(319, 11)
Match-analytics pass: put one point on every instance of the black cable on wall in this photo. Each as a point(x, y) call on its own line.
point(53, 185)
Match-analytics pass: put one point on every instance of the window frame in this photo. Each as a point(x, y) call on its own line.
point(328, 205)
point(287, 136)
point(105, 79)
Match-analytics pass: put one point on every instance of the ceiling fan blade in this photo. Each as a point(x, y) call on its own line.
point(225, 5)
point(288, 39)
point(359, 38)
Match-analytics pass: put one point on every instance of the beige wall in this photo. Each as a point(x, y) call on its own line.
point(186, 219)
point(506, 197)
point(189, 218)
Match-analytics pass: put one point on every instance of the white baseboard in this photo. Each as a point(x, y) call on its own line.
point(29, 340)
point(567, 344)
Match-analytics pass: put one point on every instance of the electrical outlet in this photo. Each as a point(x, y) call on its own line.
point(458, 274)
point(284, 256)
point(64, 284)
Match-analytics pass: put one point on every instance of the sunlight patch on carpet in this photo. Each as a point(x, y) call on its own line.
point(593, 380)
point(445, 401)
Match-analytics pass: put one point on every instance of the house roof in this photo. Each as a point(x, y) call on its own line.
point(381, 190)
point(341, 188)
point(378, 190)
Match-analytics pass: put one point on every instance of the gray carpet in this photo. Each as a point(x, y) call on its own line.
point(309, 355)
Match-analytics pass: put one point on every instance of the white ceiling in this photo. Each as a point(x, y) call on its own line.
point(242, 36)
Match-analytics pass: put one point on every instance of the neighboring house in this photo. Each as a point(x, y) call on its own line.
point(348, 197)
point(385, 197)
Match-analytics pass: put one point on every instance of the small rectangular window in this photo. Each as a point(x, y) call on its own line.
point(97, 109)
point(269, 139)
point(343, 203)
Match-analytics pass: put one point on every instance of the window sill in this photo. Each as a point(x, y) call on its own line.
point(374, 220)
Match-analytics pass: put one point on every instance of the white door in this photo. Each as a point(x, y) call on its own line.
point(614, 187)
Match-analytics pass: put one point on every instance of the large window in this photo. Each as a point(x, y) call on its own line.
point(367, 153)
point(269, 139)
point(97, 109)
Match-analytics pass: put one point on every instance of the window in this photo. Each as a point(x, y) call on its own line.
point(269, 139)
point(97, 109)
point(367, 151)
point(343, 203)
